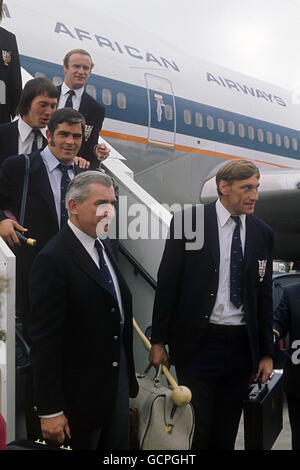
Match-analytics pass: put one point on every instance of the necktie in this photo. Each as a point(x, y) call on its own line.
point(36, 133)
point(236, 266)
point(69, 102)
point(105, 273)
point(65, 180)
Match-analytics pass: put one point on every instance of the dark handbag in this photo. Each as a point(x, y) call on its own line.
point(263, 414)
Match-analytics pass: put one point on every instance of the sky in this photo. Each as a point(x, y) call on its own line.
point(260, 38)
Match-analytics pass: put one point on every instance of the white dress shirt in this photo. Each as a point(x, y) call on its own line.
point(25, 139)
point(55, 175)
point(224, 312)
point(76, 99)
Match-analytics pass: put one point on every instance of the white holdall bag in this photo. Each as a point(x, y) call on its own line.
point(162, 425)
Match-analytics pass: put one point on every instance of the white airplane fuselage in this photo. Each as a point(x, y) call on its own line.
point(174, 118)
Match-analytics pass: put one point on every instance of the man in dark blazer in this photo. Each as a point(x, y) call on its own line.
point(43, 210)
point(287, 324)
point(216, 314)
point(77, 67)
point(38, 102)
point(81, 329)
point(10, 73)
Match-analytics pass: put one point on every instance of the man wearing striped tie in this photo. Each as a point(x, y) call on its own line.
point(213, 306)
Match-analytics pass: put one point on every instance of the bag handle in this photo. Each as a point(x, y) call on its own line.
point(25, 189)
point(181, 395)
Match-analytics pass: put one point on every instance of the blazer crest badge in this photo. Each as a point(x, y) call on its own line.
point(6, 56)
point(262, 264)
point(87, 132)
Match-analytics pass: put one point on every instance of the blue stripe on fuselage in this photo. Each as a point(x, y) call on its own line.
point(136, 112)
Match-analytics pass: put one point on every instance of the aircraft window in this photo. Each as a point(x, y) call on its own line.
point(251, 133)
point(106, 97)
point(210, 122)
point(278, 140)
point(286, 141)
point(121, 100)
point(221, 125)
point(187, 116)
point(294, 143)
point(231, 127)
point(199, 120)
point(260, 135)
point(241, 130)
point(169, 112)
point(269, 137)
point(39, 74)
point(91, 90)
point(57, 80)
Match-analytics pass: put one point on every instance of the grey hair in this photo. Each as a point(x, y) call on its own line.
point(79, 187)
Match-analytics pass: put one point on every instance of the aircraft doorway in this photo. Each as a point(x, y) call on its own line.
point(161, 111)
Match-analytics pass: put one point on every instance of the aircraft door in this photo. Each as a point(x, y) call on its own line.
point(161, 111)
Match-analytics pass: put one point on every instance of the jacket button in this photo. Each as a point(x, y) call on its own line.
point(113, 310)
point(212, 294)
point(115, 364)
point(116, 338)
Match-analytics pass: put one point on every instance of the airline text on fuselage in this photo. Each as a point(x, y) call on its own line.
point(247, 90)
point(116, 47)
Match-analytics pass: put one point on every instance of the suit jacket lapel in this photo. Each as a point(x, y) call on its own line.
point(39, 178)
point(83, 108)
point(122, 283)
point(82, 258)
point(249, 241)
point(211, 232)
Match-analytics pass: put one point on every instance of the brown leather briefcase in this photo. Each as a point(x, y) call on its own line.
point(263, 414)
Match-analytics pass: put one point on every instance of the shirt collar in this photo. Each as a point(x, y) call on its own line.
point(25, 130)
point(50, 160)
point(223, 215)
point(65, 89)
point(87, 241)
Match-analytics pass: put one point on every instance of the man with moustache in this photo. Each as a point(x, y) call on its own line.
point(213, 307)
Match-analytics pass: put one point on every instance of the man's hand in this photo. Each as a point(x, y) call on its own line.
point(101, 152)
point(54, 429)
point(265, 369)
point(7, 231)
point(81, 162)
point(158, 355)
